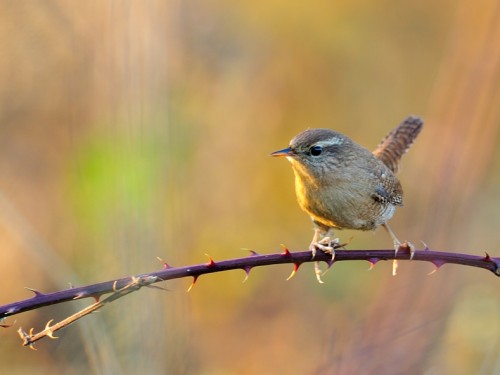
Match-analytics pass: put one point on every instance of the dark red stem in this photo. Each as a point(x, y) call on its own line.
point(246, 264)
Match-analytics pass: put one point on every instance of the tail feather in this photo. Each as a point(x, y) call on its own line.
point(398, 141)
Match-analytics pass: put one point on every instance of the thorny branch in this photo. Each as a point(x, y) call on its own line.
point(126, 285)
point(135, 284)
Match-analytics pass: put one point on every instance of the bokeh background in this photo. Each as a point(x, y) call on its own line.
point(131, 130)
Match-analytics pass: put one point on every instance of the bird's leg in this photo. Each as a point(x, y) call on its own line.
point(397, 245)
point(314, 241)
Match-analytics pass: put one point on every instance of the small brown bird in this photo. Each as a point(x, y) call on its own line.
point(341, 184)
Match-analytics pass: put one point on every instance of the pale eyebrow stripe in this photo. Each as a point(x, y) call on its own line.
point(330, 142)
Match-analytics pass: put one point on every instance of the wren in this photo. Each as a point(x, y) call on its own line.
point(342, 185)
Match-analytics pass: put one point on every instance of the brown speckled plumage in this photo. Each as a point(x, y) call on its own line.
point(398, 141)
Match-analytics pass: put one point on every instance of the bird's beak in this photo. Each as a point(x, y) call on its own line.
point(285, 152)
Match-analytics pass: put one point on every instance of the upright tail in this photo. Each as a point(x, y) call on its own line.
point(398, 141)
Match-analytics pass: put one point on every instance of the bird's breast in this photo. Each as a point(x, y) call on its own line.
point(341, 203)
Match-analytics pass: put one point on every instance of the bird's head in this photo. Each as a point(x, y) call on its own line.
point(315, 151)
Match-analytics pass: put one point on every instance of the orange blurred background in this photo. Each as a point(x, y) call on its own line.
point(131, 130)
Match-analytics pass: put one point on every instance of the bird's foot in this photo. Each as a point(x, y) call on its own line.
point(405, 245)
point(397, 246)
point(326, 245)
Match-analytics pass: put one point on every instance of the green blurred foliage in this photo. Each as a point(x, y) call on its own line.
point(136, 130)
point(107, 177)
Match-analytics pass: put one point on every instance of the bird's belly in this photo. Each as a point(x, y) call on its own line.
point(361, 217)
point(343, 209)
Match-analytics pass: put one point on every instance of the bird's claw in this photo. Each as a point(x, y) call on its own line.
point(405, 245)
point(398, 245)
point(326, 245)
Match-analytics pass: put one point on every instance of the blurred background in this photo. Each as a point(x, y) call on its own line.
point(131, 130)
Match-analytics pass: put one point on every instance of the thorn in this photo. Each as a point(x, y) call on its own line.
point(195, 278)
point(330, 262)
point(26, 337)
point(21, 332)
point(71, 286)
point(343, 245)
point(165, 264)
point(285, 252)
point(247, 270)
point(37, 293)
point(50, 333)
point(372, 261)
point(211, 262)
point(437, 264)
point(80, 295)
point(395, 266)
point(97, 297)
point(32, 346)
point(253, 252)
point(487, 257)
point(294, 271)
point(426, 248)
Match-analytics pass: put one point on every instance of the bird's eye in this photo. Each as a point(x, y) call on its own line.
point(316, 150)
